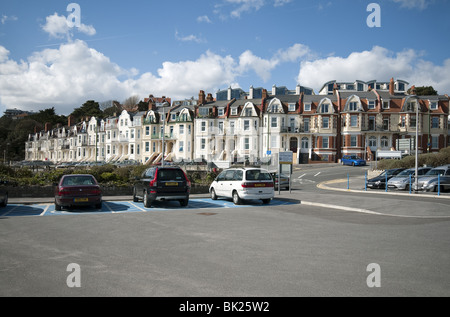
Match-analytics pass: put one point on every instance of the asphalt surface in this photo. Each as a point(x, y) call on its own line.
point(312, 241)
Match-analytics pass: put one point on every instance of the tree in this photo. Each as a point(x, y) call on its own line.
point(424, 91)
point(90, 108)
point(48, 115)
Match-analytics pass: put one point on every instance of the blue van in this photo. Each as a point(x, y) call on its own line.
point(353, 160)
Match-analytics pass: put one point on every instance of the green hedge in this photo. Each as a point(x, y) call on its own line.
point(428, 159)
point(108, 175)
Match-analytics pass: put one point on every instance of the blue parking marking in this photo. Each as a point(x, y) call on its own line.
point(110, 207)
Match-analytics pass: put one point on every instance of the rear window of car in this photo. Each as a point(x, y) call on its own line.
point(170, 174)
point(435, 172)
point(78, 180)
point(257, 175)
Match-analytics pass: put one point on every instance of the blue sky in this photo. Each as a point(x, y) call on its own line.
point(175, 48)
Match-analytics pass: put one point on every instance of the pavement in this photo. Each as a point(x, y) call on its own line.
point(340, 196)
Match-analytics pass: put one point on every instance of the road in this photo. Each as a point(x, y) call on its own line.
point(285, 249)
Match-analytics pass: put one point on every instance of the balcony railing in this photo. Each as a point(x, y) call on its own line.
point(167, 136)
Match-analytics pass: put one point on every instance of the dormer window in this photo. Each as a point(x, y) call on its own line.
point(233, 111)
point(274, 109)
point(411, 106)
point(433, 105)
point(324, 108)
point(353, 106)
point(371, 104)
point(291, 107)
point(307, 107)
point(220, 111)
point(203, 111)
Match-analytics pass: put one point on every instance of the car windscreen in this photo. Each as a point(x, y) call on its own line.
point(78, 180)
point(257, 175)
point(170, 175)
point(406, 173)
point(435, 172)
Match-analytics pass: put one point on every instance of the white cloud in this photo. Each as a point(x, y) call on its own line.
point(69, 75)
point(5, 18)
point(189, 38)
point(63, 78)
point(204, 18)
point(244, 6)
point(57, 27)
point(380, 64)
point(264, 67)
point(279, 3)
point(411, 4)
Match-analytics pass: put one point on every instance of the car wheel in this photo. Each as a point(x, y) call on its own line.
point(213, 194)
point(266, 201)
point(147, 201)
point(98, 206)
point(353, 164)
point(184, 202)
point(57, 207)
point(236, 199)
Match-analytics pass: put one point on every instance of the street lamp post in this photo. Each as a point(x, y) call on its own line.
point(416, 181)
point(163, 106)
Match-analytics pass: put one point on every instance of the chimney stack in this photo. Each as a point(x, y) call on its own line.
point(47, 127)
point(209, 98)
point(391, 86)
point(201, 98)
point(70, 121)
point(413, 90)
point(264, 94)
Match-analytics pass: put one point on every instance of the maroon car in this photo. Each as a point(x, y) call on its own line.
point(78, 190)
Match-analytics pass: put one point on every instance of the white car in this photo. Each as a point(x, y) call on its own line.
point(243, 184)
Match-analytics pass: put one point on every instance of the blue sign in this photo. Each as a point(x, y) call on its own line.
point(269, 152)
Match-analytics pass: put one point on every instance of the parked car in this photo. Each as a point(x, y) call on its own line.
point(242, 184)
point(430, 181)
point(162, 184)
point(78, 190)
point(3, 193)
point(352, 160)
point(284, 180)
point(401, 181)
point(379, 182)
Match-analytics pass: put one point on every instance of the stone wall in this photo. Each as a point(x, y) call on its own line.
point(48, 191)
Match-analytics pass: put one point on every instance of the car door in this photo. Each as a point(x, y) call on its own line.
point(229, 180)
point(219, 183)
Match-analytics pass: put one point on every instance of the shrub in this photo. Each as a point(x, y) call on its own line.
point(428, 159)
point(107, 177)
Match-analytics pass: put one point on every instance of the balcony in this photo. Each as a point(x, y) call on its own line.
point(289, 130)
point(167, 136)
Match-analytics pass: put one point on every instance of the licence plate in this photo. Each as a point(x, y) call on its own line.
point(172, 184)
point(81, 200)
point(260, 185)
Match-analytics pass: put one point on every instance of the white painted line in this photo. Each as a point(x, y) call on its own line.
point(45, 210)
point(301, 176)
point(137, 206)
point(10, 211)
point(317, 174)
point(364, 211)
point(107, 206)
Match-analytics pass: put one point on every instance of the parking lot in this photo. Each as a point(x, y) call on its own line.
point(112, 207)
